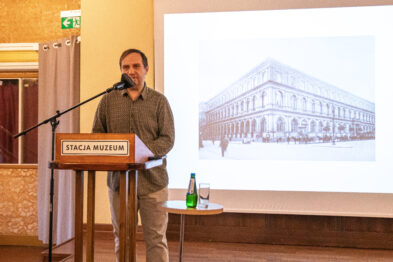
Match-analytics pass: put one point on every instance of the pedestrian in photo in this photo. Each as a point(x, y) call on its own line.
point(223, 144)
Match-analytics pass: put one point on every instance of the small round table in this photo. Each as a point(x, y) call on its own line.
point(179, 207)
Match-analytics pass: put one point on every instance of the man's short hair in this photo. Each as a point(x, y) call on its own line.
point(130, 51)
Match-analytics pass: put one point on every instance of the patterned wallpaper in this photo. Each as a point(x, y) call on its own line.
point(18, 202)
point(32, 21)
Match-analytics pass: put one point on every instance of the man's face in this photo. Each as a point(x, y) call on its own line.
point(132, 65)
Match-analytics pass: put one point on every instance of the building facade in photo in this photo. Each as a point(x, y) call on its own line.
point(274, 102)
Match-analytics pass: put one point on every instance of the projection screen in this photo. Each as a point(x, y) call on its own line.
point(282, 107)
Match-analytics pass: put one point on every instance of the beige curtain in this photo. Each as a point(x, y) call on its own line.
point(59, 75)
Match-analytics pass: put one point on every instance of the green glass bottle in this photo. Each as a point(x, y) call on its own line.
point(192, 195)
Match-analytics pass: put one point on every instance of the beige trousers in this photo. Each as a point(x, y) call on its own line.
point(154, 223)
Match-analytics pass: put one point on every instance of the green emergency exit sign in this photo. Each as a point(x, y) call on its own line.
point(70, 19)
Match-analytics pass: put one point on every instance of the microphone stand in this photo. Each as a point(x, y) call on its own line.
point(54, 123)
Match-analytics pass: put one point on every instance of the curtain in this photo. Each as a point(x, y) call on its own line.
point(29, 119)
point(59, 75)
point(8, 121)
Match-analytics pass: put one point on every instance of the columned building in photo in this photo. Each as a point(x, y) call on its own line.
point(275, 102)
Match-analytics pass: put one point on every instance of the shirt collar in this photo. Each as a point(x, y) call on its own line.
point(143, 94)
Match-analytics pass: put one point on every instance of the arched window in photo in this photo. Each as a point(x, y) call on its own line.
point(320, 107)
point(279, 99)
point(320, 127)
point(247, 131)
point(263, 125)
point(280, 125)
point(294, 102)
point(304, 126)
point(312, 126)
point(253, 127)
point(263, 98)
point(294, 125)
point(304, 103)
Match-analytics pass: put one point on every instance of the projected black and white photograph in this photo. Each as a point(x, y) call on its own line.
point(282, 99)
point(287, 99)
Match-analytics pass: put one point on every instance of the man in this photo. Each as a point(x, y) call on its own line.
point(145, 112)
point(223, 144)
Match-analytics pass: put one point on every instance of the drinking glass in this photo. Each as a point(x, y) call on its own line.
point(204, 194)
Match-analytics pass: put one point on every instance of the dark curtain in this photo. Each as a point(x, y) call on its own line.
point(30, 118)
point(8, 121)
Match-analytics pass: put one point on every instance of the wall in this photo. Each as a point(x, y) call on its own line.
point(18, 205)
point(32, 21)
point(25, 21)
point(106, 31)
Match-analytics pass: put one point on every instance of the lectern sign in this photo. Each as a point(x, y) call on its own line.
point(95, 148)
point(100, 148)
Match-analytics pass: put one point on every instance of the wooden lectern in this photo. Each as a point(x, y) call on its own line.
point(104, 152)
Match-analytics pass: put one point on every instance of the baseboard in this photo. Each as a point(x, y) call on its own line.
point(31, 241)
point(322, 231)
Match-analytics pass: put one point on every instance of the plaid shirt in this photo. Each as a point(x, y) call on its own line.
point(150, 118)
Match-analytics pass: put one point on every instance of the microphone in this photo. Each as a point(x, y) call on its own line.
point(125, 82)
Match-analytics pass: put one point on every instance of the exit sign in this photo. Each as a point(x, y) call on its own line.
point(70, 19)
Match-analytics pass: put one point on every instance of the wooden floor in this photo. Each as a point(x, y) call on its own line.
point(213, 251)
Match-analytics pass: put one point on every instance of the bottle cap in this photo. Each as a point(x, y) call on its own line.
point(192, 174)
